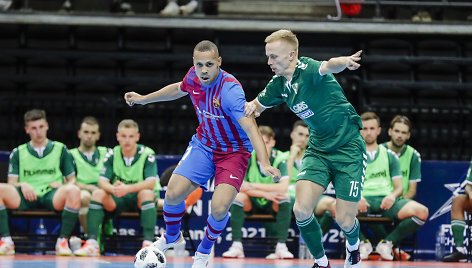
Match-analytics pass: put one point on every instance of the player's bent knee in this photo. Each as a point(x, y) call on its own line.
point(219, 212)
point(301, 212)
point(146, 194)
point(345, 222)
point(98, 195)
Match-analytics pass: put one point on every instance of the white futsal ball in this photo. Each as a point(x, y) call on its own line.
point(150, 257)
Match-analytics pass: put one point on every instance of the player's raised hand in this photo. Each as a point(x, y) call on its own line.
point(133, 98)
point(352, 61)
point(269, 170)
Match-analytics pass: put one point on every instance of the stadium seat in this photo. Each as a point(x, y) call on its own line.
point(45, 5)
point(389, 46)
point(95, 67)
point(146, 39)
point(438, 48)
point(389, 71)
point(10, 37)
point(100, 38)
point(49, 66)
point(389, 96)
point(440, 72)
point(8, 65)
point(146, 68)
point(51, 37)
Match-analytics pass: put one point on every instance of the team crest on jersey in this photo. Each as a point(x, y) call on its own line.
point(295, 88)
point(216, 103)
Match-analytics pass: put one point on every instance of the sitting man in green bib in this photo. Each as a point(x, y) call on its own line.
point(36, 180)
point(126, 183)
point(259, 194)
point(383, 189)
point(88, 162)
point(325, 209)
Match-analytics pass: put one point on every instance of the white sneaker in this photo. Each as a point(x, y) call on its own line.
point(171, 9)
point(281, 251)
point(62, 247)
point(385, 249)
point(189, 8)
point(7, 247)
point(162, 244)
point(200, 260)
point(271, 256)
point(89, 249)
point(353, 259)
point(146, 243)
point(365, 248)
point(235, 251)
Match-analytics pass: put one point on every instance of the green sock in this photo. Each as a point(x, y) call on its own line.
point(362, 237)
point(69, 219)
point(458, 228)
point(95, 217)
point(148, 219)
point(282, 219)
point(237, 221)
point(404, 228)
point(379, 230)
point(326, 221)
point(311, 233)
point(353, 235)
point(4, 229)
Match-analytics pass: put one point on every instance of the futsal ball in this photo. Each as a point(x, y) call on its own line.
point(150, 257)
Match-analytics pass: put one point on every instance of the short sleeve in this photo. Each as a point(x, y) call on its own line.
point(283, 168)
point(185, 85)
point(272, 94)
point(14, 163)
point(469, 174)
point(150, 167)
point(234, 100)
point(415, 167)
point(107, 169)
point(67, 163)
point(394, 165)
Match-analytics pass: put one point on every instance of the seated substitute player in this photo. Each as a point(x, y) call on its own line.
point(383, 189)
point(88, 162)
point(126, 183)
point(36, 180)
point(220, 148)
point(326, 206)
point(460, 204)
point(260, 194)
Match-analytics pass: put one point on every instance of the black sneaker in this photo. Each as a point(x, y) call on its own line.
point(317, 266)
point(353, 259)
point(455, 256)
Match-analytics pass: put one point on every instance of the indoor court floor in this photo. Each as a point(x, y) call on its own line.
point(34, 261)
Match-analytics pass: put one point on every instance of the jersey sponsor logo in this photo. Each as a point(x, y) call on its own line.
point(293, 87)
point(299, 107)
point(305, 114)
point(194, 92)
point(49, 171)
point(209, 115)
point(284, 95)
point(233, 177)
point(123, 180)
point(301, 173)
point(216, 103)
point(380, 174)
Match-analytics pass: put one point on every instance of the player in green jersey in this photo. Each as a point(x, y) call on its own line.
point(383, 188)
point(260, 194)
point(460, 204)
point(88, 162)
point(336, 150)
point(35, 180)
point(126, 183)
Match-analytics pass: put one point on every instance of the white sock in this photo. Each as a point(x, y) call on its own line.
point(352, 247)
point(323, 261)
point(237, 244)
point(92, 242)
point(462, 250)
point(7, 239)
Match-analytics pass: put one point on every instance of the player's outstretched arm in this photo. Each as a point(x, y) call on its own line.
point(167, 93)
point(253, 108)
point(250, 127)
point(336, 65)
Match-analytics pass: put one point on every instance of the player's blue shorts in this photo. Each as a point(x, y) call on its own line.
point(200, 163)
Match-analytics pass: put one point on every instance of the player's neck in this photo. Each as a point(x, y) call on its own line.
point(39, 144)
point(395, 148)
point(291, 71)
point(86, 149)
point(372, 147)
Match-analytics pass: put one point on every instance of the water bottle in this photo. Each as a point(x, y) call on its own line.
point(41, 231)
point(439, 245)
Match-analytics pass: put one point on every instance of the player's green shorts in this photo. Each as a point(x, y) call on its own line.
point(260, 206)
point(128, 202)
point(345, 167)
point(44, 201)
point(392, 213)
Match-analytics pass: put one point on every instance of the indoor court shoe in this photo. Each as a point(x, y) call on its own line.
point(353, 259)
point(7, 247)
point(318, 266)
point(188, 8)
point(146, 243)
point(62, 247)
point(172, 9)
point(385, 249)
point(162, 244)
point(200, 260)
point(89, 249)
point(401, 255)
point(236, 251)
point(281, 252)
point(455, 256)
point(365, 248)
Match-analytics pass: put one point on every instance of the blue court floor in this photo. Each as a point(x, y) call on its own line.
point(186, 262)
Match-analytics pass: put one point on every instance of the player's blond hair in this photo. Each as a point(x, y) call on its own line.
point(370, 115)
point(286, 35)
point(128, 123)
point(267, 131)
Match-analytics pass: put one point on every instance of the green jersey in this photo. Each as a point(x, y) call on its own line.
point(142, 167)
point(88, 170)
point(39, 170)
point(379, 173)
point(318, 100)
point(254, 174)
point(469, 175)
point(410, 165)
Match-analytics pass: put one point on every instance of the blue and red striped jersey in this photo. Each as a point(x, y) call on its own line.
point(219, 106)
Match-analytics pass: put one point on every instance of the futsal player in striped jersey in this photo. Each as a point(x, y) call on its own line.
point(221, 147)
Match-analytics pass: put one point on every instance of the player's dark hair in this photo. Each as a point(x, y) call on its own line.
point(90, 120)
point(370, 115)
point(35, 114)
point(299, 123)
point(267, 131)
point(401, 119)
point(205, 46)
